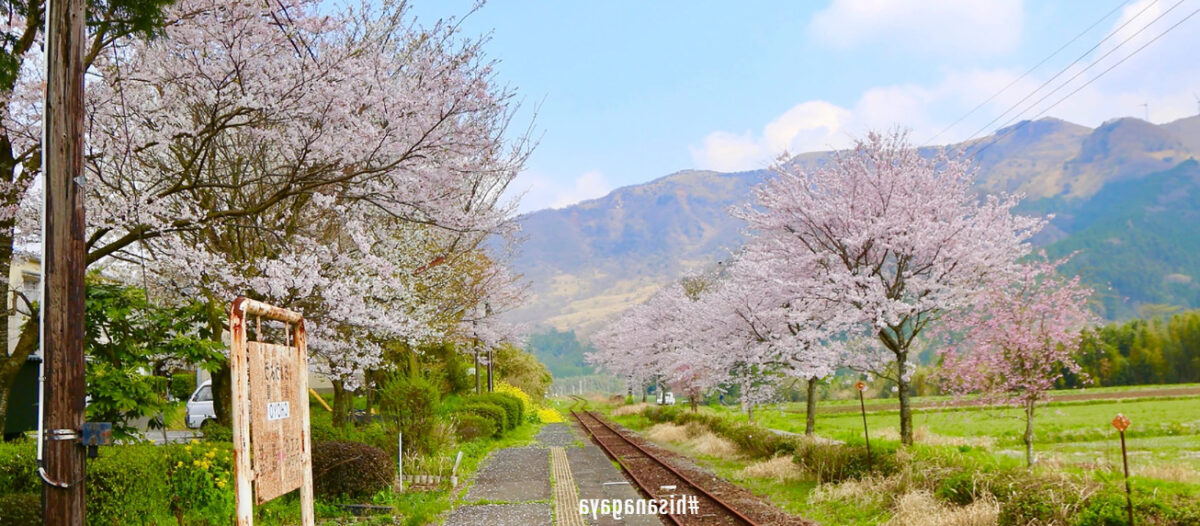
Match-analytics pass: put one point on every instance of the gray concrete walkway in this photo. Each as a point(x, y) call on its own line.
point(514, 485)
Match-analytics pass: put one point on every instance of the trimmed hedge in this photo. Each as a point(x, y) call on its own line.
point(510, 404)
point(21, 509)
point(490, 411)
point(470, 426)
point(137, 484)
point(127, 486)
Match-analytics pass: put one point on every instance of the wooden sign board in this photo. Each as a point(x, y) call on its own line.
point(272, 448)
point(275, 427)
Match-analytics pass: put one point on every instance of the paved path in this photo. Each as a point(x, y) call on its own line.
point(514, 486)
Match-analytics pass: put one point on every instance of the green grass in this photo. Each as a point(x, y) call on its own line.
point(1073, 437)
point(1081, 429)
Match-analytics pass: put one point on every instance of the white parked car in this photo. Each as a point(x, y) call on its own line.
point(666, 399)
point(200, 406)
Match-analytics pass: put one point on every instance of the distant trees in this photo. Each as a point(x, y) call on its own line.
point(1142, 351)
point(561, 351)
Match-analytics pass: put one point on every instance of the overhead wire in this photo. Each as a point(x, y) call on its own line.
point(1073, 63)
point(1029, 71)
point(1090, 81)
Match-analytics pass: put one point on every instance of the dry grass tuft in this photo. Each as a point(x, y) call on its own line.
point(781, 469)
point(713, 445)
point(631, 409)
point(924, 436)
point(868, 491)
point(667, 432)
point(1172, 472)
point(920, 507)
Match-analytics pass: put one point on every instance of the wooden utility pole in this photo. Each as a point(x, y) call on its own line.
point(63, 263)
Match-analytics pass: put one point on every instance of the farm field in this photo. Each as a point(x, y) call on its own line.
point(844, 402)
point(1078, 470)
point(1076, 432)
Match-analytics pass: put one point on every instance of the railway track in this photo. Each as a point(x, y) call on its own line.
point(657, 479)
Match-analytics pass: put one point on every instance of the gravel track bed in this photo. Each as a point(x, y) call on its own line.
point(654, 476)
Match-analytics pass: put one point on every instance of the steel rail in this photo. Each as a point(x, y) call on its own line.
point(646, 489)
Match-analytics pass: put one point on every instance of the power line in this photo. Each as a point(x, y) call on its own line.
point(1030, 70)
point(1093, 79)
point(1072, 64)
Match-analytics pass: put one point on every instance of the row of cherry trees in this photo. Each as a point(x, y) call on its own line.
point(350, 165)
point(858, 263)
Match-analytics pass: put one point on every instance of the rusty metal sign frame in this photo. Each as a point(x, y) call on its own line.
point(240, 369)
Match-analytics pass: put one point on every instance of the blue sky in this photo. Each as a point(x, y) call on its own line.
point(626, 92)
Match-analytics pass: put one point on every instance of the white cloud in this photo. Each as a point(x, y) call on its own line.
point(927, 110)
point(541, 191)
point(937, 26)
point(590, 185)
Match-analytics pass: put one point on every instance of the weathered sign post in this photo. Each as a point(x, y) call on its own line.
point(271, 444)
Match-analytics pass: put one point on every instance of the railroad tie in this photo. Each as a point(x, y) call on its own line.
point(566, 499)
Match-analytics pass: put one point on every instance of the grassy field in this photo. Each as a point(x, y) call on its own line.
point(1079, 461)
point(1077, 432)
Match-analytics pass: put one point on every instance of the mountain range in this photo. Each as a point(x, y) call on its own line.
point(1125, 199)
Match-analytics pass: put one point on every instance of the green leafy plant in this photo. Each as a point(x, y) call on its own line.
point(411, 403)
point(21, 509)
point(126, 335)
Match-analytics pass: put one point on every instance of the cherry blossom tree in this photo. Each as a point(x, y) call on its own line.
point(21, 87)
point(1019, 338)
point(897, 237)
point(656, 341)
point(349, 164)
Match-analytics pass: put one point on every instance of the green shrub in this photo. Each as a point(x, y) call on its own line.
point(511, 406)
point(321, 428)
point(1157, 505)
point(490, 411)
point(18, 468)
point(214, 432)
point(838, 463)
point(182, 385)
point(754, 441)
point(470, 426)
point(959, 488)
point(411, 402)
point(351, 469)
point(21, 509)
point(516, 402)
point(125, 485)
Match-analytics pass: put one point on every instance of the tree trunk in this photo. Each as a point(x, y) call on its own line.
point(222, 393)
point(810, 408)
point(368, 390)
point(341, 404)
point(643, 393)
point(222, 381)
point(906, 429)
point(1029, 432)
point(11, 365)
point(692, 401)
point(750, 413)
